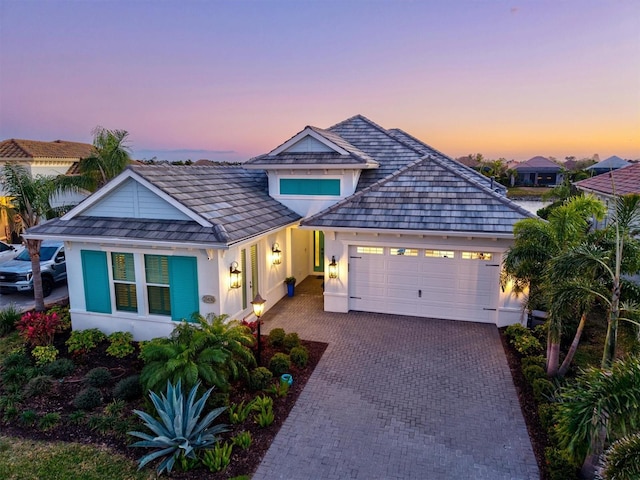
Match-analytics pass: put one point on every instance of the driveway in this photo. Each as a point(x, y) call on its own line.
point(24, 300)
point(398, 398)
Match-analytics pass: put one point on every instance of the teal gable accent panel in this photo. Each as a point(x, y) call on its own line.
point(95, 276)
point(310, 186)
point(183, 287)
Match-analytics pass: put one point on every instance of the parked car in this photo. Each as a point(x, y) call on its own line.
point(9, 252)
point(16, 275)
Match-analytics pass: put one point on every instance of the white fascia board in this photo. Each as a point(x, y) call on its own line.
point(307, 132)
point(595, 192)
point(315, 166)
point(426, 233)
point(119, 180)
point(125, 241)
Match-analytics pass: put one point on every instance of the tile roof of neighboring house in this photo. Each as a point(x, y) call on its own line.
point(23, 149)
point(611, 163)
point(625, 181)
point(537, 164)
point(427, 195)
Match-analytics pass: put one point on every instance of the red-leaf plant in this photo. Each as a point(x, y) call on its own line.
point(38, 328)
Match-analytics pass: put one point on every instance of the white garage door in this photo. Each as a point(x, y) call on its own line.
point(449, 284)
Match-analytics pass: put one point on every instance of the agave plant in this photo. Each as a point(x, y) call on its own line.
point(179, 432)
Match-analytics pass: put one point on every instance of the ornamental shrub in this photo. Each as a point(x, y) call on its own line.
point(60, 368)
point(533, 373)
point(515, 330)
point(280, 363)
point(560, 467)
point(9, 317)
point(37, 386)
point(543, 389)
point(97, 377)
point(83, 341)
point(44, 354)
point(276, 337)
point(290, 341)
point(538, 360)
point(63, 315)
point(545, 413)
point(299, 356)
point(527, 345)
point(38, 328)
point(120, 344)
point(260, 378)
point(88, 399)
point(16, 359)
point(128, 388)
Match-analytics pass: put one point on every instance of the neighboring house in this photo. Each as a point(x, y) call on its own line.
point(391, 224)
point(607, 186)
point(607, 165)
point(41, 158)
point(538, 172)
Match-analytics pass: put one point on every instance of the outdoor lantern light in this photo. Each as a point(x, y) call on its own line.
point(333, 268)
point(276, 254)
point(235, 280)
point(258, 310)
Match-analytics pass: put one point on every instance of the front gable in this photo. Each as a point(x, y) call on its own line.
point(308, 141)
point(133, 200)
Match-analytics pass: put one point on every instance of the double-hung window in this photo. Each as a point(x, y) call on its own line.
point(124, 281)
point(157, 277)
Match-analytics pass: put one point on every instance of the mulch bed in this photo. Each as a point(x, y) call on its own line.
point(60, 400)
point(537, 434)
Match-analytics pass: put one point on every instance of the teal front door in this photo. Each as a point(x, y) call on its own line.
point(318, 251)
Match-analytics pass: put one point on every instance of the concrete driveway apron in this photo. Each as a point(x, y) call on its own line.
point(398, 398)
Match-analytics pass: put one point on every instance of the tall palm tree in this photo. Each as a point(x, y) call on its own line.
point(536, 243)
point(111, 156)
point(30, 200)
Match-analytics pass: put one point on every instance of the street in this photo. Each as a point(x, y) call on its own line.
point(24, 301)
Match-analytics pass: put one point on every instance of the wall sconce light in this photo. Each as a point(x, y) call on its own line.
point(276, 254)
point(235, 278)
point(333, 268)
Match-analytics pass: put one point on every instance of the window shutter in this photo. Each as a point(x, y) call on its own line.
point(96, 281)
point(255, 288)
point(183, 285)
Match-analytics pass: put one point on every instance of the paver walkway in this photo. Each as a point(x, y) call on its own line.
point(398, 398)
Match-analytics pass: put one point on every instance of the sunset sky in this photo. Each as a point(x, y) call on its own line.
point(228, 80)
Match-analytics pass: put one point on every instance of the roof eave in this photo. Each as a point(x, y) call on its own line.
point(430, 233)
point(310, 166)
point(125, 241)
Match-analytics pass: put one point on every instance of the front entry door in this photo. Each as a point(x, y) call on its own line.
point(318, 251)
point(250, 275)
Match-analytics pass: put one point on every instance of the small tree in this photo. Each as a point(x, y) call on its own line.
point(111, 156)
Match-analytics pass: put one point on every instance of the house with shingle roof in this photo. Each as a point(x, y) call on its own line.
point(391, 224)
point(608, 164)
point(538, 172)
point(41, 158)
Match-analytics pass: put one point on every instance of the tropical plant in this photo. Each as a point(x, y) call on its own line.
point(120, 344)
point(31, 202)
point(622, 459)
point(180, 432)
point(207, 349)
point(242, 440)
point(111, 156)
point(264, 406)
point(537, 242)
point(599, 406)
point(48, 421)
point(218, 458)
point(238, 412)
point(39, 328)
point(9, 316)
point(279, 389)
point(45, 354)
point(83, 341)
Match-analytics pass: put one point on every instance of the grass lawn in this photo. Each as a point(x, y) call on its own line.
point(34, 460)
point(519, 192)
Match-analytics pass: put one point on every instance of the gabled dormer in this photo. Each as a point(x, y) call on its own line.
point(312, 170)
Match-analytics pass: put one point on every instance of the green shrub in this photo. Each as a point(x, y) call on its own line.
point(77, 418)
point(63, 315)
point(101, 423)
point(88, 399)
point(280, 363)
point(238, 412)
point(83, 341)
point(276, 337)
point(9, 316)
point(16, 359)
point(560, 467)
point(44, 354)
point(29, 417)
point(538, 360)
point(218, 458)
point(97, 377)
point(299, 356)
point(115, 408)
point(120, 344)
point(38, 386)
point(546, 412)
point(540, 332)
point(128, 388)
point(515, 330)
point(543, 389)
point(10, 413)
point(49, 421)
point(291, 340)
point(260, 378)
point(533, 372)
point(60, 368)
point(279, 389)
point(242, 440)
point(527, 345)
point(264, 406)
point(19, 375)
point(622, 459)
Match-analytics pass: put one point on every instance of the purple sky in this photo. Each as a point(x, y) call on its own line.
point(228, 80)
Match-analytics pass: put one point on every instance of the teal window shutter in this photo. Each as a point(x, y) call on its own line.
point(95, 275)
point(183, 285)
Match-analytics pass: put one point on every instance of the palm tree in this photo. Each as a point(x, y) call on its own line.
point(537, 242)
point(111, 156)
point(622, 460)
point(30, 200)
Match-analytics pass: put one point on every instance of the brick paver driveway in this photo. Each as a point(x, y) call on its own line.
point(398, 398)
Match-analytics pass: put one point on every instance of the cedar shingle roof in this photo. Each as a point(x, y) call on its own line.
point(23, 149)
point(625, 181)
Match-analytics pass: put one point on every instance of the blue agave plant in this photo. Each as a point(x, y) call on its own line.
point(179, 431)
